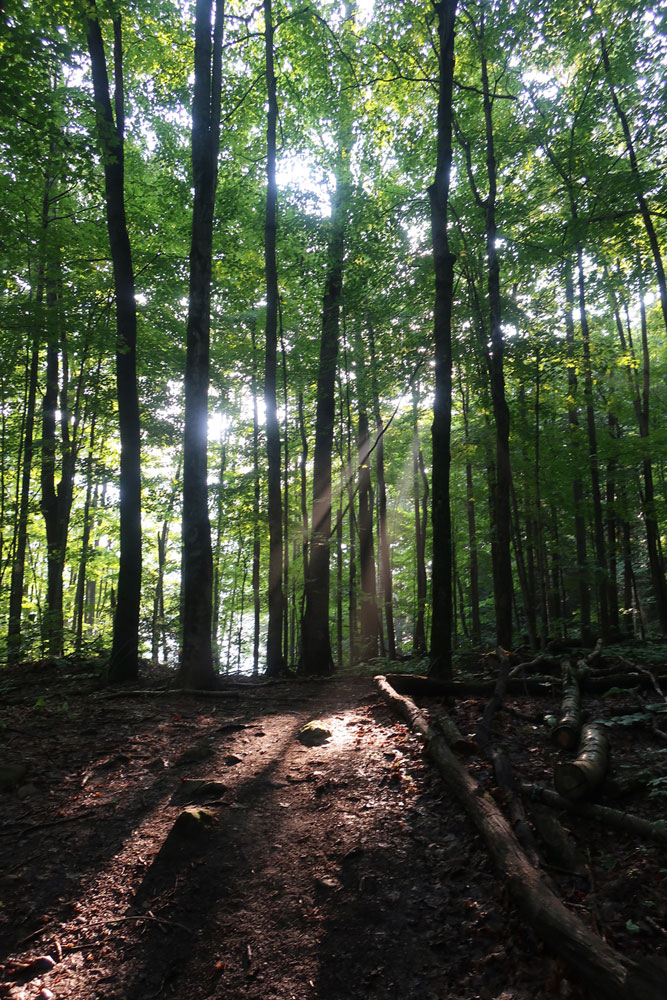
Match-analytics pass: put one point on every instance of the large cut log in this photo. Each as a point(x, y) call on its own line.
point(582, 777)
point(610, 975)
point(566, 733)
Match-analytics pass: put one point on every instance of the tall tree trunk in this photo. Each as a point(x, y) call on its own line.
point(316, 655)
point(123, 664)
point(14, 640)
point(286, 510)
point(196, 667)
point(56, 500)
point(577, 488)
point(368, 638)
point(256, 545)
point(473, 592)
point(274, 651)
point(419, 632)
point(386, 581)
point(500, 529)
point(217, 555)
point(655, 555)
point(638, 182)
point(85, 537)
point(598, 521)
point(303, 482)
point(443, 261)
point(352, 590)
point(540, 546)
point(639, 383)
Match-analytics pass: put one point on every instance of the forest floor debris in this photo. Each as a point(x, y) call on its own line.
point(339, 870)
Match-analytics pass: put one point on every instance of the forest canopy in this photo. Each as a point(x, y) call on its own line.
point(331, 330)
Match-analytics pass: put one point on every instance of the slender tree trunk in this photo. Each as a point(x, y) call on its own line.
point(123, 664)
point(303, 480)
point(196, 668)
point(14, 640)
point(443, 260)
point(368, 638)
point(540, 546)
point(386, 581)
point(274, 652)
point(598, 522)
point(639, 383)
point(217, 555)
point(339, 581)
point(638, 182)
point(655, 555)
point(286, 510)
point(527, 594)
point(500, 530)
point(473, 592)
point(352, 590)
point(256, 547)
point(577, 488)
point(85, 537)
point(56, 500)
point(316, 655)
point(419, 633)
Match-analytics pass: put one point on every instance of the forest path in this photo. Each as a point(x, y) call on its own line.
point(334, 871)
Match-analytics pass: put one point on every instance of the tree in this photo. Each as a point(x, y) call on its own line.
point(274, 658)
point(443, 262)
point(196, 668)
point(123, 664)
point(316, 655)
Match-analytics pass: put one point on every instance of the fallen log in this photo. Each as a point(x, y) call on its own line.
point(502, 766)
point(428, 687)
point(614, 818)
point(566, 733)
point(419, 686)
point(453, 735)
point(612, 976)
point(582, 777)
point(559, 846)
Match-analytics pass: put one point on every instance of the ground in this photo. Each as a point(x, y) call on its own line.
point(338, 870)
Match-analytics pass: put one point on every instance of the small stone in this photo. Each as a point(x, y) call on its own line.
point(194, 755)
point(25, 791)
point(232, 759)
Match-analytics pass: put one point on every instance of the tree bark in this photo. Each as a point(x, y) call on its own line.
point(123, 664)
point(196, 667)
point(500, 529)
point(316, 657)
point(368, 619)
point(577, 489)
point(443, 261)
point(274, 650)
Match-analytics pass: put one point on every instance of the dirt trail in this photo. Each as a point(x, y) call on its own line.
point(334, 871)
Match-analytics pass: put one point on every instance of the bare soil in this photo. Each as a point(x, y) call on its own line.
point(334, 871)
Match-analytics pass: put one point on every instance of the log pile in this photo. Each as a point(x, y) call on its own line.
point(580, 774)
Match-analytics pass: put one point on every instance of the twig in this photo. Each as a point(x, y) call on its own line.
point(49, 822)
point(140, 916)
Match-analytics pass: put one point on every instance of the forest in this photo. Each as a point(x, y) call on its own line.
point(331, 331)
